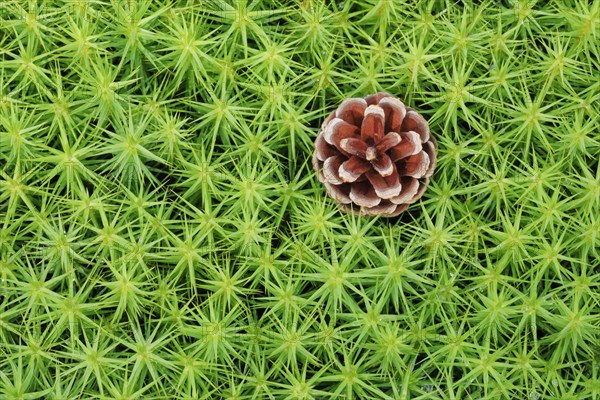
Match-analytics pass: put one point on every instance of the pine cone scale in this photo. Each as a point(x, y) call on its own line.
point(429, 148)
point(415, 165)
point(372, 125)
point(390, 140)
point(414, 122)
point(420, 191)
point(375, 155)
point(353, 168)
point(383, 165)
point(385, 187)
point(322, 149)
point(410, 187)
point(376, 98)
point(352, 110)
point(339, 129)
point(408, 146)
point(381, 209)
point(331, 168)
point(364, 195)
point(394, 113)
point(354, 147)
point(340, 193)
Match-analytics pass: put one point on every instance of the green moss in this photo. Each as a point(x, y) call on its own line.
point(163, 234)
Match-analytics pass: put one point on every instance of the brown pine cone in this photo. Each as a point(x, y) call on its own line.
point(375, 155)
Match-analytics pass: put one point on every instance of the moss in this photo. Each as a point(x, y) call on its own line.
point(163, 234)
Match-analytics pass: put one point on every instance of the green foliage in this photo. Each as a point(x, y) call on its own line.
point(163, 234)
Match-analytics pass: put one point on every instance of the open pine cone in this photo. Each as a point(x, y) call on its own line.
point(375, 155)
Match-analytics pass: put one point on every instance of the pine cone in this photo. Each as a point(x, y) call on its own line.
point(375, 155)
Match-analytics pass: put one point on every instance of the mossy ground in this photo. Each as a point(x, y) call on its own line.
point(163, 235)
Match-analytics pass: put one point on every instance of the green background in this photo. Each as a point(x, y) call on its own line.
point(163, 234)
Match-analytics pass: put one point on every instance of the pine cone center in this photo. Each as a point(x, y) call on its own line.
point(375, 154)
point(371, 153)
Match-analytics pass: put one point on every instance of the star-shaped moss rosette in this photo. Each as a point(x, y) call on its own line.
point(375, 155)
